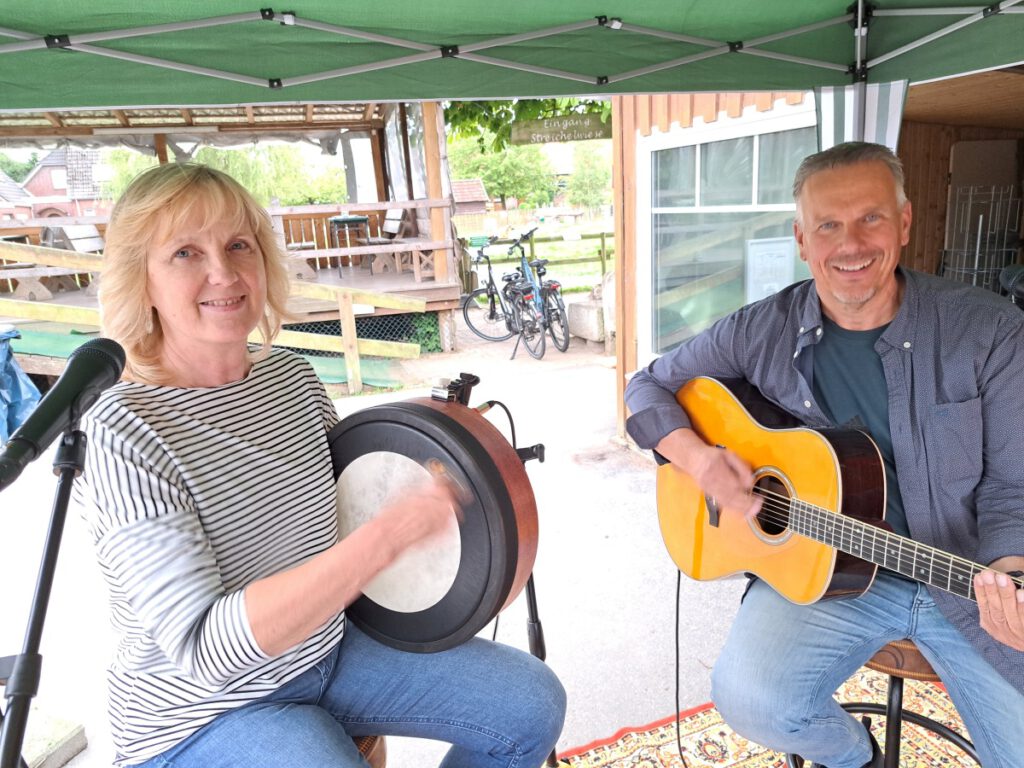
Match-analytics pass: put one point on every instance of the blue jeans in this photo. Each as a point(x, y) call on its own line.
point(774, 680)
point(499, 707)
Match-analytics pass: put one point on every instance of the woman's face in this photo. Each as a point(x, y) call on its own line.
point(206, 281)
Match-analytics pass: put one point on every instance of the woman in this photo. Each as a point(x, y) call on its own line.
point(209, 491)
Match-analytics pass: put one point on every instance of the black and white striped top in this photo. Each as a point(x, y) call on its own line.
point(190, 495)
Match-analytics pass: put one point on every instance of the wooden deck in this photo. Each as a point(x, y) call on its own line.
point(438, 296)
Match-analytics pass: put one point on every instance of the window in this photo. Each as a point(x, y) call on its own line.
point(721, 226)
point(727, 172)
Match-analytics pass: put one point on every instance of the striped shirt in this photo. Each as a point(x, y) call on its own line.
point(190, 495)
point(953, 359)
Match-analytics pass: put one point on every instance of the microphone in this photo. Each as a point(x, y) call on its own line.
point(93, 367)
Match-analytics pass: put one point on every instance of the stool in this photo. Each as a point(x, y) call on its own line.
point(900, 660)
point(373, 749)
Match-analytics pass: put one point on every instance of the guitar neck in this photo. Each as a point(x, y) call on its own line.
point(890, 550)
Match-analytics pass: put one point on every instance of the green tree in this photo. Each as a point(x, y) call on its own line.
point(124, 165)
point(490, 122)
point(269, 172)
point(520, 172)
point(18, 170)
point(590, 183)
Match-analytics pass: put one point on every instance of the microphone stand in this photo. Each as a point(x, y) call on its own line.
point(21, 673)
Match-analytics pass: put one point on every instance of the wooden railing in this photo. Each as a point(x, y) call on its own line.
point(348, 300)
point(308, 234)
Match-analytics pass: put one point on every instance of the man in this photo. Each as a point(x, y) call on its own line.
point(933, 370)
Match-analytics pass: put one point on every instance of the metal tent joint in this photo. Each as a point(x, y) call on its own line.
point(858, 74)
point(602, 80)
point(275, 83)
point(868, 12)
point(267, 14)
point(449, 51)
point(992, 10)
point(58, 41)
point(609, 22)
point(735, 45)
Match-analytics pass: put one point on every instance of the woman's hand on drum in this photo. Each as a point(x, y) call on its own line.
point(421, 513)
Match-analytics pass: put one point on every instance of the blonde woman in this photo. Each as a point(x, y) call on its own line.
point(210, 495)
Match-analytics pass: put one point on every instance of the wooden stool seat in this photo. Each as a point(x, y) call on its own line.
point(373, 749)
point(900, 660)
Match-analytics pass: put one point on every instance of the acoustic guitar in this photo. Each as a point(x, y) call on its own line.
point(821, 531)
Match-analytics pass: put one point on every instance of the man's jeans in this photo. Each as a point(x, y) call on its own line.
point(782, 662)
point(498, 706)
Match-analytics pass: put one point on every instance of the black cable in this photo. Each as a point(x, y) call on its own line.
point(511, 423)
point(679, 738)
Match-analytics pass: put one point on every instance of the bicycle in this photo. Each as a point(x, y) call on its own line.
point(547, 294)
point(497, 314)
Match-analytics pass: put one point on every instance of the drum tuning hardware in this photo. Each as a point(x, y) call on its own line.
point(531, 452)
point(456, 391)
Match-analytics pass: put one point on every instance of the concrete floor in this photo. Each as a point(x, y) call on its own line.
point(605, 584)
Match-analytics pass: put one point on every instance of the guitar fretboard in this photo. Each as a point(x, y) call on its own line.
point(890, 550)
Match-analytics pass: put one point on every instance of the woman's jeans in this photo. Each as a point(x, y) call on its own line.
point(782, 662)
point(499, 707)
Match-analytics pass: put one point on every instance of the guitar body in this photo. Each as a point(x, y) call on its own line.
point(839, 470)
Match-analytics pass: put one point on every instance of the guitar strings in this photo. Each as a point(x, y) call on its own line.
point(781, 504)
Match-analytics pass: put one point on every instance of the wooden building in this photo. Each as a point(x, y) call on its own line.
point(687, 253)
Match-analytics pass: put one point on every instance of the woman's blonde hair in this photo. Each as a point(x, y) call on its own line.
point(158, 201)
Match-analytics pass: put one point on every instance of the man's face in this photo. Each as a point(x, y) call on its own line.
point(850, 230)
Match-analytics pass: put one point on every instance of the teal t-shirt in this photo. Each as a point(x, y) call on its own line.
point(849, 385)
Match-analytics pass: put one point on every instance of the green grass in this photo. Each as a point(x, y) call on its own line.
point(574, 277)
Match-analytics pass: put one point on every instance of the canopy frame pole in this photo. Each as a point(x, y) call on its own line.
point(719, 48)
point(31, 42)
point(965, 10)
point(992, 10)
point(860, 71)
point(535, 70)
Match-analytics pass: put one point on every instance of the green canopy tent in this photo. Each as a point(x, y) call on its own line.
point(70, 54)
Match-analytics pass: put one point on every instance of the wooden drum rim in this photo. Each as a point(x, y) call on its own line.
point(513, 473)
point(499, 527)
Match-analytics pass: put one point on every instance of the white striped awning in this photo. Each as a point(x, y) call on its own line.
point(860, 112)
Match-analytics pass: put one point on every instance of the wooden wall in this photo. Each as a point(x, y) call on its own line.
point(925, 149)
point(641, 115)
point(660, 111)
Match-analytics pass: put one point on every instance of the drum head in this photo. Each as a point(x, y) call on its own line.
point(439, 596)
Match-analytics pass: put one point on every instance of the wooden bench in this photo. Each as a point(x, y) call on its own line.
point(29, 279)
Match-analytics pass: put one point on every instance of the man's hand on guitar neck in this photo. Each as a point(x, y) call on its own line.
point(720, 473)
point(1000, 603)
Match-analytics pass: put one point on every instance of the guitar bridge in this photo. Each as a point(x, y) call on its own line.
point(714, 512)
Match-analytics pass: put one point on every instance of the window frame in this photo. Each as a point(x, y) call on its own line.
point(782, 117)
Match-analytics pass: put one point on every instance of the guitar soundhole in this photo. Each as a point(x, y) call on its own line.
point(774, 515)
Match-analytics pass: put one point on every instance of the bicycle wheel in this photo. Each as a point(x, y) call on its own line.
point(558, 320)
point(485, 315)
point(533, 329)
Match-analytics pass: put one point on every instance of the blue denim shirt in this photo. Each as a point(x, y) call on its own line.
point(953, 359)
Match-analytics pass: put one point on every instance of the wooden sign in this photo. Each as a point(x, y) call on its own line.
point(558, 129)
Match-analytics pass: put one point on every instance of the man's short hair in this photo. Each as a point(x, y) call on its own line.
point(849, 153)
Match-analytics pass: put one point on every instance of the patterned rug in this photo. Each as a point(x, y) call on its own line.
point(709, 742)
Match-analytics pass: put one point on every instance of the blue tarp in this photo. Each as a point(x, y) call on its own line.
point(18, 395)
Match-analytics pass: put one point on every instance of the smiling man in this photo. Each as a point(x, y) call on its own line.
point(931, 369)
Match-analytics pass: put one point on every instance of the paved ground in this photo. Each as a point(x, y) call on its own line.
point(605, 585)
